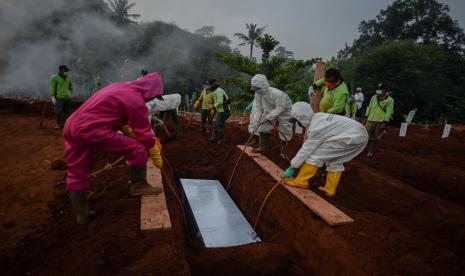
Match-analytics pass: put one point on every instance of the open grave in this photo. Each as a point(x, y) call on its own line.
point(405, 221)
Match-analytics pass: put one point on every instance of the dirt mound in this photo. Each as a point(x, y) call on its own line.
point(407, 203)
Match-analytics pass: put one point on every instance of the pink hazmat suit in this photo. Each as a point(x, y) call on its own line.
point(94, 127)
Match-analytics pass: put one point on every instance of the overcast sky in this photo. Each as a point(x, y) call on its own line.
point(310, 28)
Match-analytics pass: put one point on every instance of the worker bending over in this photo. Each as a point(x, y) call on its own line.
point(271, 105)
point(221, 109)
point(335, 92)
point(165, 108)
point(377, 116)
point(95, 127)
point(206, 102)
point(331, 140)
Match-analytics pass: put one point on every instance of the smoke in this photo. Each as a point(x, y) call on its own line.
point(38, 36)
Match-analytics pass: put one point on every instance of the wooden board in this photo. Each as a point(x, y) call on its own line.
point(153, 209)
point(316, 97)
point(330, 214)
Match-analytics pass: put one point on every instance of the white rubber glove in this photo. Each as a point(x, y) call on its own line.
point(54, 101)
point(311, 91)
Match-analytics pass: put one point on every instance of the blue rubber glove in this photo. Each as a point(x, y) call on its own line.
point(289, 172)
point(248, 108)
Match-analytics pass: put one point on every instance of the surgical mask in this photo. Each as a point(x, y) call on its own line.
point(331, 85)
point(379, 92)
point(260, 91)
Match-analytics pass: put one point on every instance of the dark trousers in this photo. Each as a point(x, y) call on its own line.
point(220, 120)
point(62, 109)
point(173, 114)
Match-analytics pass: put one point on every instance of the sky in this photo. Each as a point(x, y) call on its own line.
point(309, 28)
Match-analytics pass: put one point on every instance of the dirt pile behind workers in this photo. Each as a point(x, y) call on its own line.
point(407, 203)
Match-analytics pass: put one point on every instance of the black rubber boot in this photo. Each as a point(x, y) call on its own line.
point(139, 183)
point(283, 147)
point(254, 142)
point(81, 206)
point(220, 137)
point(214, 137)
point(264, 139)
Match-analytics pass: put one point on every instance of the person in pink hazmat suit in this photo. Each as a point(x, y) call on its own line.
point(95, 126)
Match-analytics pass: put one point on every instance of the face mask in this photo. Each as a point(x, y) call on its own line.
point(331, 85)
point(379, 92)
point(259, 91)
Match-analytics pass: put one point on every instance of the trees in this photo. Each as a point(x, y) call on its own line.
point(423, 21)
point(121, 13)
point(281, 51)
point(267, 43)
point(417, 74)
point(254, 33)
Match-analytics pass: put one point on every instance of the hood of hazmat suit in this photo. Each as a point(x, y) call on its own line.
point(169, 102)
point(114, 106)
point(331, 139)
point(271, 105)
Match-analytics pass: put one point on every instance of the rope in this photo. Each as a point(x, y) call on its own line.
point(264, 202)
point(240, 156)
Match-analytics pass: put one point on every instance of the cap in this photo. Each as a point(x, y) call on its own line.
point(64, 68)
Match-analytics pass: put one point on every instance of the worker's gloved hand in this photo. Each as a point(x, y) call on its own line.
point(311, 90)
point(197, 104)
point(155, 156)
point(289, 172)
point(54, 101)
point(248, 108)
point(127, 130)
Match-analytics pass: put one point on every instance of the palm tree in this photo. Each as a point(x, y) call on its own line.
point(121, 9)
point(251, 39)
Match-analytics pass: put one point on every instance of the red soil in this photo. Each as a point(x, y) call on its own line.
point(407, 202)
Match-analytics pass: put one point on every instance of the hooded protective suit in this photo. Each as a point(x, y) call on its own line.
point(169, 102)
point(253, 117)
point(331, 139)
point(271, 105)
point(94, 126)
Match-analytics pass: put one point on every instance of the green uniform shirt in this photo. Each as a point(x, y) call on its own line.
point(351, 109)
point(219, 95)
point(207, 99)
point(333, 101)
point(380, 111)
point(61, 87)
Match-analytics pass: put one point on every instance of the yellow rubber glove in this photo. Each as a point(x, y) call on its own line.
point(197, 104)
point(127, 130)
point(155, 155)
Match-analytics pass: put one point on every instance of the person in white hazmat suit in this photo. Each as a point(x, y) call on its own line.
point(253, 123)
point(270, 105)
point(331, 140)
point(168, 107)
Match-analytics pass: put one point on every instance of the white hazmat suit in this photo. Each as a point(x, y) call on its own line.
point(271, 105)
point(331, 140)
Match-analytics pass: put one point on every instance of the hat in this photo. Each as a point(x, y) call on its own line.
point(64, 68)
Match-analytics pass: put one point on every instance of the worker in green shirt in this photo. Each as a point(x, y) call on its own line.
point(61, 86)
point(206, 100)
point(221, 108)
point(335, 92)
point(377, 116)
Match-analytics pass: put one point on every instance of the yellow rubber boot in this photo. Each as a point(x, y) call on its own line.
point(332, 180)
point(306, 173)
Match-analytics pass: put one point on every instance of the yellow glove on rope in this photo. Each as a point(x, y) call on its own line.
point(127, 130)
point(196, 104)
point(155, 155)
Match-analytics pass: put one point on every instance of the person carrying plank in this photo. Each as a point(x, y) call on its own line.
point(335, 92)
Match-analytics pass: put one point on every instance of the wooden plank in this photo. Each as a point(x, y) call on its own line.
point(330, 214)
point(153, 209)
point(316, 97)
